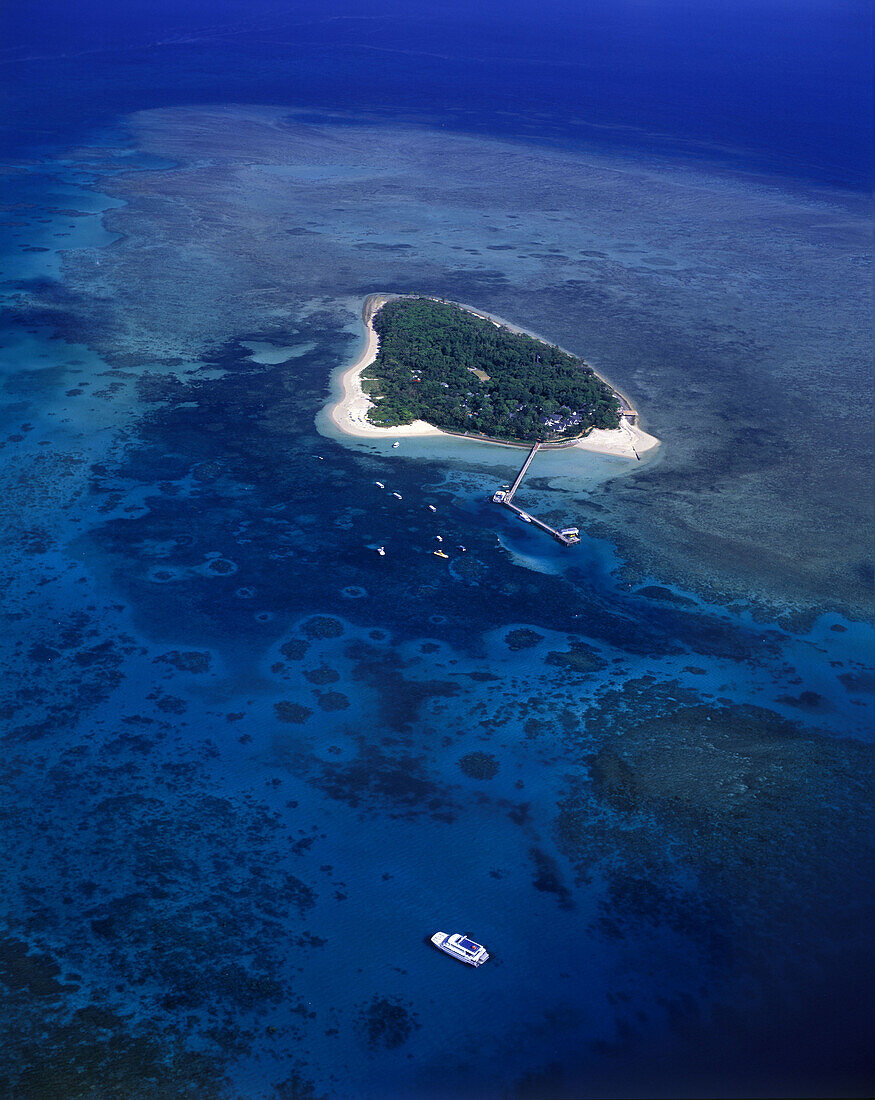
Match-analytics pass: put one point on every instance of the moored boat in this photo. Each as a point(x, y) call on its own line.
point(460, 947)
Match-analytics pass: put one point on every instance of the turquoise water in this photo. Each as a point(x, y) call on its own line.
point(250, 766)
point(236, 793)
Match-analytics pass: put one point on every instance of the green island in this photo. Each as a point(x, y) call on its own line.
point(463, 373)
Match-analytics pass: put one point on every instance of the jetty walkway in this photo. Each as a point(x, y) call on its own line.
point(568, 536)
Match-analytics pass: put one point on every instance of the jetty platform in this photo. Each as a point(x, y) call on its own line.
point(568, 536)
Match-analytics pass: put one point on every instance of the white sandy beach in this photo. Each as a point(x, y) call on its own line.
point(350, 413)
point(627, 441)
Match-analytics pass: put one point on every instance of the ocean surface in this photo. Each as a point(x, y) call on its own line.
point(249, 765)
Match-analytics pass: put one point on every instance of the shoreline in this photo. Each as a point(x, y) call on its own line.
point(349, 412)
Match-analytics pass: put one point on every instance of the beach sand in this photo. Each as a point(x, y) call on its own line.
point(627, 441)
point(349, 413)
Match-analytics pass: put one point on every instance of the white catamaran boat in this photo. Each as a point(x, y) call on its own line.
point(460, 947)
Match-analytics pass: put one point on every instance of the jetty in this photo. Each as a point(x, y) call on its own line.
point(568, 536)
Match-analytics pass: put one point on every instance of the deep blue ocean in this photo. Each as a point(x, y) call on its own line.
point(250, 766)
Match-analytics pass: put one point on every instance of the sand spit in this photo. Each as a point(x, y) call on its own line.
point(349, 413)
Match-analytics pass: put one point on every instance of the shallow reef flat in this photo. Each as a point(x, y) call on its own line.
point(249, 765)
point(719, 302)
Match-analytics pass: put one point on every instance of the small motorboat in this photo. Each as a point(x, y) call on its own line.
point(398, 495)
point(381, 550)
point(432, 508)
point(396, 444)
point(379, 485)
point(462, 548)
point(440, 554)
point(438, 538)
point(460, 947)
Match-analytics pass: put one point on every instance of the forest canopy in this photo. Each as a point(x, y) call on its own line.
point(440, 363)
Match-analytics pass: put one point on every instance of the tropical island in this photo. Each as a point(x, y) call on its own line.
point(463, 373)
point(433, 367)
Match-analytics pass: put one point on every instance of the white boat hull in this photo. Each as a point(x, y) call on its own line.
point(460, 947)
